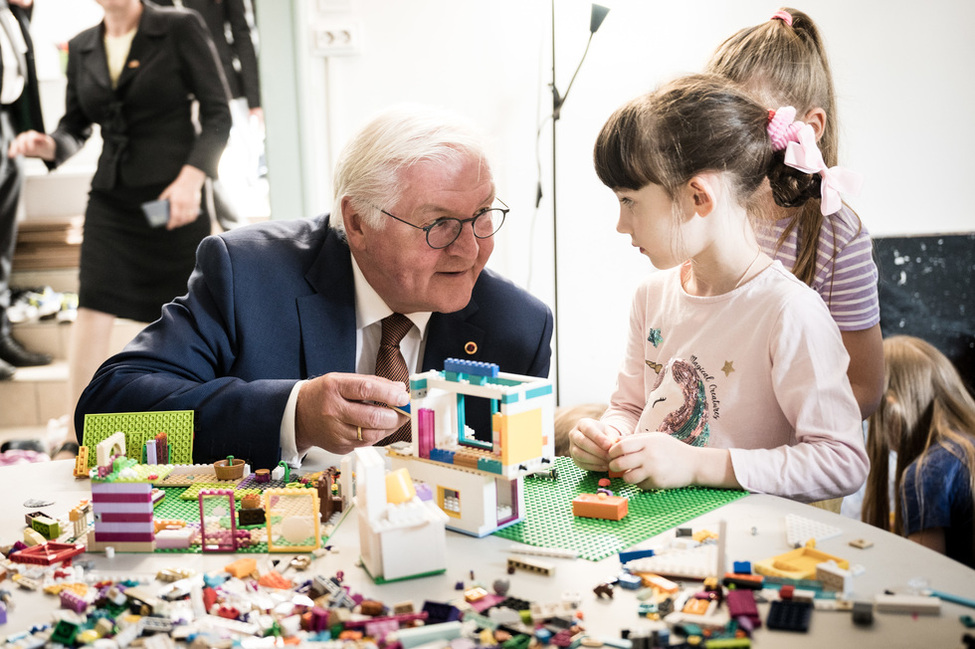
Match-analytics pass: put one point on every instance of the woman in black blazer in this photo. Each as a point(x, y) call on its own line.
point(137, 75)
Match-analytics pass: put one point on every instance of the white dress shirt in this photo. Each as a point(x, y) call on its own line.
point(370, 309)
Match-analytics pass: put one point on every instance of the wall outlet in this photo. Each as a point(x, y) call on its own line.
point(336, 39)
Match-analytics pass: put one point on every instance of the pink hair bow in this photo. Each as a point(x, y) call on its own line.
point(803, 154)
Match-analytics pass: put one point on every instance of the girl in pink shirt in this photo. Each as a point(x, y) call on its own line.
point(735, 373)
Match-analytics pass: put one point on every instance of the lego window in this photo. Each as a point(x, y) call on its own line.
point(449, 501)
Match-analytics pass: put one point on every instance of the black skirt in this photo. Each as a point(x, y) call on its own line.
point(129, 269)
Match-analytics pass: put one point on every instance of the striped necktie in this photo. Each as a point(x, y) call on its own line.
point(390, 364)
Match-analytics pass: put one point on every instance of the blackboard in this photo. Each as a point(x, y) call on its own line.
point(927, 289)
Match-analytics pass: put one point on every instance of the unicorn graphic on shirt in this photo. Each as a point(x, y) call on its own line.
point(678, 404)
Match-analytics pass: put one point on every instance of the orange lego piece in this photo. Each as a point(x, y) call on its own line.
point(242, 567)
point(696, 606)
point(611, 508)
point(167, 523)
point(81, 463)
point(273, 579)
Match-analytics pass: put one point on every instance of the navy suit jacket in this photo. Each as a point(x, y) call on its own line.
point(273, 303)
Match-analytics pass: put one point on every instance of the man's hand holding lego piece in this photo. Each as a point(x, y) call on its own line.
point(334, 412)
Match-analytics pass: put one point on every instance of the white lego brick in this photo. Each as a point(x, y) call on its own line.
point(799, 530)
point(696, 563)
point(918, 604)
point(544, 552)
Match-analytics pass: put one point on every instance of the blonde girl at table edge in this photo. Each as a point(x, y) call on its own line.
point(927, 417)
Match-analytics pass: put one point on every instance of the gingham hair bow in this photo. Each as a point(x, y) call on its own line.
point(801, 152)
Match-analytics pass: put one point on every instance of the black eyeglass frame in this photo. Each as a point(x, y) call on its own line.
point(427, 228)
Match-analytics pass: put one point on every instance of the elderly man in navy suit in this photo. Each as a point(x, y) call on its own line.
point(20, 109)
point(275, 345)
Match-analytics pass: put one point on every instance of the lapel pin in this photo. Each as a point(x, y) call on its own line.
point(470, 348)
point(133, 64)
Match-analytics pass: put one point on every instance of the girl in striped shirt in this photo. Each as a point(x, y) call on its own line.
point(783, 63)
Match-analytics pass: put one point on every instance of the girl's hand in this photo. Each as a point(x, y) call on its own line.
point(660, 461)
point(654, 461)
point(589, 443)
point(184, 194)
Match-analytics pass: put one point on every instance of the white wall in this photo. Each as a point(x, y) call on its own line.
point(903, 75)
point(902, 71)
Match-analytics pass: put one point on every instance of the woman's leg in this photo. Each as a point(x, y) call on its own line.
point(91, 336)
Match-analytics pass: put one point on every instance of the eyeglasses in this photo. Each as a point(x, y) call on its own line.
point(444, 231)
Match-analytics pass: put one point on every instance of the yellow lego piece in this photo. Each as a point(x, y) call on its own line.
point(292, 520)
point(33, 537)
point(81, 463)
point(521, 437)
point(797, 564)
point(399, 487)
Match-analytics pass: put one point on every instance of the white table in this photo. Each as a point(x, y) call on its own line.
point(890, 564)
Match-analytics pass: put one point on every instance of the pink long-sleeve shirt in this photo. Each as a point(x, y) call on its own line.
point(760, 370)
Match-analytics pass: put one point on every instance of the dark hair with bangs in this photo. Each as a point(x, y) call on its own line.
point(692, 125)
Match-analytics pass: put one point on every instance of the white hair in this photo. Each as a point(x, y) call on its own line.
point(368, 167)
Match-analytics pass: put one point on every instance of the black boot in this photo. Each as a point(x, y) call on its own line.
point(14, 353)
point(6, 371)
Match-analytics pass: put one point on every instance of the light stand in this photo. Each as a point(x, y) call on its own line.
point(596, 17)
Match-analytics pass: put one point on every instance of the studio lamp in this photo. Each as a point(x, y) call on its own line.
point(596, 17)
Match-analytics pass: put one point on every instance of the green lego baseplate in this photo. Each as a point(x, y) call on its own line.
point(549, 521)
point(140, 427)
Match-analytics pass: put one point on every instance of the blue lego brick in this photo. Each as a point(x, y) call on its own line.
point(742, 567)
point(474, 368)
point(629, 582)
point(635, 554)
point(489, 465)
point(540, 391)
point(441, 455)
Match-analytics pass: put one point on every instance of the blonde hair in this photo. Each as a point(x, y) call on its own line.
point(566, 418)
point(786, 65)
point(925, 404)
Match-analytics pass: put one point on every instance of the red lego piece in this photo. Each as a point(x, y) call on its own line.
point(209, 598)
point(47, 554)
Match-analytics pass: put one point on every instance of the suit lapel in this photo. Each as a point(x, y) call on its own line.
point(451, 335)
point(93, 59)
point(327, 317)
point(145, 46)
